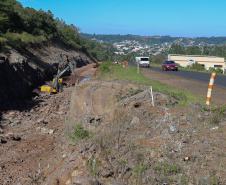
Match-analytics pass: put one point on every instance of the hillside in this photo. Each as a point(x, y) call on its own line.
point(98, 130)
point(23, 71)
point(154, 39)
point(121, 137)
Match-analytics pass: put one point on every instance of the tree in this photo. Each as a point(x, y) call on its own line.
point(160, 58)
point(207, 50)
point(177, 49)
point(8, 17)
point(193, 50)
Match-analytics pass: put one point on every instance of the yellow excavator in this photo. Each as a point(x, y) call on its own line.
point(57, 81)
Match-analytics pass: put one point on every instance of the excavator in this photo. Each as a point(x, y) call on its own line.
point(57, 85)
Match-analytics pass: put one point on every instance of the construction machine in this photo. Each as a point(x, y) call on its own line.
point(96, 64)
point(57, 85)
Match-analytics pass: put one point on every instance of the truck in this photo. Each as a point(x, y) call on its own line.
point(143, 61)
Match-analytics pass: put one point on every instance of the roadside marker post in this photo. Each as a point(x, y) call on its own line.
point(212, 78)
point(152, 98)
point(138, 67)
point(123, 64)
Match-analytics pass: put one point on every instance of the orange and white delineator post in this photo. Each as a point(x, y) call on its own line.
point(212, 78)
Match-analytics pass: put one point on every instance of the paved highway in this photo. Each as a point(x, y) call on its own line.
point(204, 77)
point(200, 76)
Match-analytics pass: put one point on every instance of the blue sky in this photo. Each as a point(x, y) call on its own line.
point(177, 18)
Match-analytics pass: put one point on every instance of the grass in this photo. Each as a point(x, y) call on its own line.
point(130, 74)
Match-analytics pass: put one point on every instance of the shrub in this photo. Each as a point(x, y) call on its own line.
point(80, 133)
point(219, 71)
point(105, 66)
point(196, 66)
point(14, 40)
point(92, 165)
point(211, 69)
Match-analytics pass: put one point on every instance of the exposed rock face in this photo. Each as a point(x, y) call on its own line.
point(21, 72)
point(19, 78)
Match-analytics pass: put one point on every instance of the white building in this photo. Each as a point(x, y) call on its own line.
point(206, 61)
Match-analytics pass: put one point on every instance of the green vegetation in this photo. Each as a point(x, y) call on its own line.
point(178, 49)
point(219, 51)
point(130, 74)
point(221, 109)
point(167, 169)
point(80, 133)
point(153, 39)
point(92, 165)
point(105, 67)
point(122, 162)
point(21, 26)
point(184, 181)
point(217, 113)
point(120, 38)
point(138, 171)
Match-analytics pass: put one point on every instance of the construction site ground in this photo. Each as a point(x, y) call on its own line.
point(30, 147)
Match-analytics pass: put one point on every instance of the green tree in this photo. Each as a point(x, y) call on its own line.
point(177, 49)
point(8, 17)
point(207, 50)
point(160, 58)
point(193, 50)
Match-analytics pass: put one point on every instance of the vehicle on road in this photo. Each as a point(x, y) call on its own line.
point(143, 61)
point(116, 62)
point(169, 65)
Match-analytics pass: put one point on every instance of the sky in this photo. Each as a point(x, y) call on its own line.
point(176, 18)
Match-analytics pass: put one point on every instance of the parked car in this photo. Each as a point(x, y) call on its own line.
point(169, 65)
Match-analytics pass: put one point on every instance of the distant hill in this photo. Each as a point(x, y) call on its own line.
point(119, 38)
point(154, 39)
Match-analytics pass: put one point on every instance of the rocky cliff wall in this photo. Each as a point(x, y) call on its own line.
point(21, 72)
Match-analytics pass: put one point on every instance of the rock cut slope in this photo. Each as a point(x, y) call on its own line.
point(22, 71)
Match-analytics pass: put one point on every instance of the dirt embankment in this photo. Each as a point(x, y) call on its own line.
point(31, 134)
point(138, 143)
point(22, 71)
point(134, 141)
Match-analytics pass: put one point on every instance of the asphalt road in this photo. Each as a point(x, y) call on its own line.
point(200, 76)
